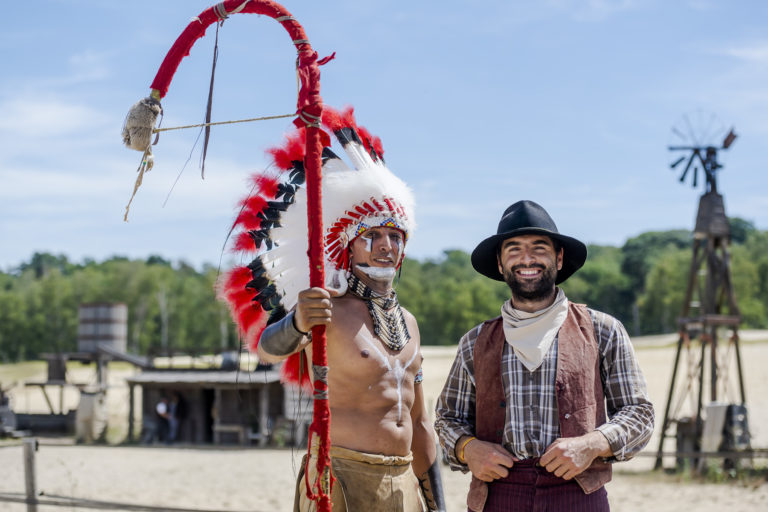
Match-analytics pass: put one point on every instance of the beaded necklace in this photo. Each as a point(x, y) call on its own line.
point(386, 313)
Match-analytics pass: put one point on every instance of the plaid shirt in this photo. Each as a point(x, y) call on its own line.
point(532, 420)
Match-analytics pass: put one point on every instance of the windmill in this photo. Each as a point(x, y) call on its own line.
point(716, 424)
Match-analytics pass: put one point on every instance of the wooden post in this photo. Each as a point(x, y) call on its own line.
point(263, 415)
point(130, 412)
point(30, 447)
point(217, 415)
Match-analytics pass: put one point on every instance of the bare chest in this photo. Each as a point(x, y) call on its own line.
point(354, 348)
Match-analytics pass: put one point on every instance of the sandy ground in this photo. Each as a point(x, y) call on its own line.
point(162, 478)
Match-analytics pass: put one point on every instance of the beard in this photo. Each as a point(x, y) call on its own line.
point(531, 290)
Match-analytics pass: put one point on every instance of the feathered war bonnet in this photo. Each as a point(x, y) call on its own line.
point(271, 228)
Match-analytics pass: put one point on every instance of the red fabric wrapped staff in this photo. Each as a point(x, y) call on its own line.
point(137, 134)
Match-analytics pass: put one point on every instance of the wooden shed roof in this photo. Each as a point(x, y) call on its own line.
point(255, 378)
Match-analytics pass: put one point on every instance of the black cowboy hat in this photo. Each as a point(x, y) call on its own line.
point(525, 218)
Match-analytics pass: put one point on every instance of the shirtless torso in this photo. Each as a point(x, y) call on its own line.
point(371, 387)
point(376, 406)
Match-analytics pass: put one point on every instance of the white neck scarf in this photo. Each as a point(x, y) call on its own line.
point(531, 334)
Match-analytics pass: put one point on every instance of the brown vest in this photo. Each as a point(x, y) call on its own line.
point(579, 390)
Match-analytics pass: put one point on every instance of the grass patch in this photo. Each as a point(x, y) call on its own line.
point(20, 372)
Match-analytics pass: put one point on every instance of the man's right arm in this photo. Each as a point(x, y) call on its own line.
point(455, 423)
point(281, 339)
point(455, 409)
point(289, 335)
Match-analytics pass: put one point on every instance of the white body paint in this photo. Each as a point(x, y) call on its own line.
point(399, 371)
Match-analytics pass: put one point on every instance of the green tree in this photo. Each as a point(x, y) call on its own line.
point(661, 301)
point(740, 229)
point(600, 283)
point(639, 254)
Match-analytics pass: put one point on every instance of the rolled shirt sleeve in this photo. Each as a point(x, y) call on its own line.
point(629, 408)
point(455, 409)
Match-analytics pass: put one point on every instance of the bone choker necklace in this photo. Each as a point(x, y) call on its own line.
point(386, 313)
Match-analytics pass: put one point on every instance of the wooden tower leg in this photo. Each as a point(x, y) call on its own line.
point(665, 425)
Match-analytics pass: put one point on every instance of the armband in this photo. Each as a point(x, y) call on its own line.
point(282, 337)
point(419, 378)
point(432, 488)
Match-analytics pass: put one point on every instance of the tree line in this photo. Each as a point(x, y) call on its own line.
point(172, 307)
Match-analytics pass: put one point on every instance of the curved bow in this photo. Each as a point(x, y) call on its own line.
point(137, 134)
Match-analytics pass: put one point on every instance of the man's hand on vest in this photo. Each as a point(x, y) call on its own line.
point(488, 461)
point(567, 457)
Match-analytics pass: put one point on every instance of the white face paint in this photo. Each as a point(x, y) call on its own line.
point(363, 257)
point(381, 274)
point(399, 244)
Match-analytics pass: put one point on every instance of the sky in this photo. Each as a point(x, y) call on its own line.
point(570, 103)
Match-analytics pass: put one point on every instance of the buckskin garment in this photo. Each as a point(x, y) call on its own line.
point(364, 482)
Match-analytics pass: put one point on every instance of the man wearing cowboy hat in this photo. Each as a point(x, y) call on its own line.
point(524, 406)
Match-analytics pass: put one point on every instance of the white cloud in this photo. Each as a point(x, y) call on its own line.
point(89, 66)
point(47, 117)
point(593, 10)
point(755, 52)
point(702, 5)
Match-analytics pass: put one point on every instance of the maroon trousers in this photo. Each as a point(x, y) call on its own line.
point(531, 488)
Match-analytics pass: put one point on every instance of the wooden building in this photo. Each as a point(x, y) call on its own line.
point(216, 406)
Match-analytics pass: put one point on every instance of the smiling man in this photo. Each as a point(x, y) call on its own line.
point(383, 446)
point(524, 405)
point(379, 425)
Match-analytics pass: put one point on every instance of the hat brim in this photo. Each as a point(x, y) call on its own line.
point(484, 257)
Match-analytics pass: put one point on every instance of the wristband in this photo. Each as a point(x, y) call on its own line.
point(432, 488)
point(282, 337)
point(461, 450)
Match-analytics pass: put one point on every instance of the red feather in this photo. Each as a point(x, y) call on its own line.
point(250, 316)
point(266, 185)
point(293, 149)
point(253, 336)
point(254, 203)
point(348, 117)
point(289, 373)
point(248, 220)
point(331, 118)
point(377, 145)
point(244, 243)
point(239, 298)
point(236, 279)
point(365, 136)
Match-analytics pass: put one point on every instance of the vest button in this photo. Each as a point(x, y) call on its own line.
point(499, 433)
point(502, 404)
point(567, 415)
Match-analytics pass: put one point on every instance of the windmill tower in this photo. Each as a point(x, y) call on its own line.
point(708, 411)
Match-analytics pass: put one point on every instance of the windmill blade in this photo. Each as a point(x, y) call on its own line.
point(679, 133)
point(691, 130)
point(729, 139)
point(676, 162)
point(695, 175)
point(687, 167)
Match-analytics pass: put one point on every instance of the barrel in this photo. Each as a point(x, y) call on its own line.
point(102, 324)
point(91, 417)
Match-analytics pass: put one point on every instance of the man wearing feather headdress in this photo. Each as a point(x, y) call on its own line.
point(380, 431)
